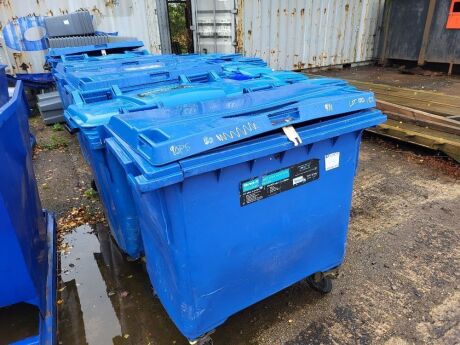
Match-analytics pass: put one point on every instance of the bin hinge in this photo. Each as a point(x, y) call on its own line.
point(292, 135)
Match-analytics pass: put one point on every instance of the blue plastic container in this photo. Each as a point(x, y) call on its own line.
point(27, 233)
point(87, 118)
point(232, 209)
point(3, 86)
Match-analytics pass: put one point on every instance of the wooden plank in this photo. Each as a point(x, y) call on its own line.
point(444, 142)
point(426, 32)
point(420, 118)
point(423, 123)
point(417, 93)
point(432, 102)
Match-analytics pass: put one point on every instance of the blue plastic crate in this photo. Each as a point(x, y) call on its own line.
point(231, 209)
point(28, 234)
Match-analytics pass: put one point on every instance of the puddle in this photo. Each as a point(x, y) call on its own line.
point(105, 298)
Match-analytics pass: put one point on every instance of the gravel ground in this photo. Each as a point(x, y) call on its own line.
point(398, 285)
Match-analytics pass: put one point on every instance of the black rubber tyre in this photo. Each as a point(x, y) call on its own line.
point(93, 185)
point(324, 285)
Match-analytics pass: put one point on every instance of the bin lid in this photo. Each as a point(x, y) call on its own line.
point(95, 81)
point(108, 103)
point(162, 136)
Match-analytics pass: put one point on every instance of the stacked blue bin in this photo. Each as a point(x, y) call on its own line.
point(232, 179)
point(27, 233)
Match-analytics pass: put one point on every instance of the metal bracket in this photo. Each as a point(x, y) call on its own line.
point(292, 135)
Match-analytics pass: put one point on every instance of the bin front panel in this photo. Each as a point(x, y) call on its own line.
point(209, 256)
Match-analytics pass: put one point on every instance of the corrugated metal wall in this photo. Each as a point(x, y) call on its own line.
point(133, 18)
point(296, 34)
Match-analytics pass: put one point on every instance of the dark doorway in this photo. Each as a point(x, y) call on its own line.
point(180, 21)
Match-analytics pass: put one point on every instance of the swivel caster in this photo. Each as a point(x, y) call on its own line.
point(320, 283)
point(204, 340)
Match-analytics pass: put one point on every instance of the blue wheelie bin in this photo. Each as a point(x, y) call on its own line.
point(27, 233)
point(236, 207)
point(87, 119)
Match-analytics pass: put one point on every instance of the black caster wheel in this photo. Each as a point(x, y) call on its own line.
point(93, 185)
point(320, 283)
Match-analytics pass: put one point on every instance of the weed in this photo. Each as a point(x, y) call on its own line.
point(54, 142)
point(57, 127)
point(90, 193)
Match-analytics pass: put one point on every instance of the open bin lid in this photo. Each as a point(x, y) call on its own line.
point(162, 136)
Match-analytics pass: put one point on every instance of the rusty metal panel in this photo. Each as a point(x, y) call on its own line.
point(297, 34)
point(132, 18)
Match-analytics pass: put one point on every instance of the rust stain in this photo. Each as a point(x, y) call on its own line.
point(96, 11)
point(20, 63)
point(347, 7)
point(299, 65)
point(239, 27)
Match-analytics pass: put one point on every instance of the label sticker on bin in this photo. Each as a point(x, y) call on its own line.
point(332, 161)
point(278, 181)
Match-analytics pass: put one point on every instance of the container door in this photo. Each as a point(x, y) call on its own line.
point(180, 26)
point(214, 29)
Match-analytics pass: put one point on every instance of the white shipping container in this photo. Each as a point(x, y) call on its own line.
point(297, 34)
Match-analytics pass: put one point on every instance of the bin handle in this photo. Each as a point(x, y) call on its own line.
point(157, 75)
point(135, 62)
point(259, 88)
